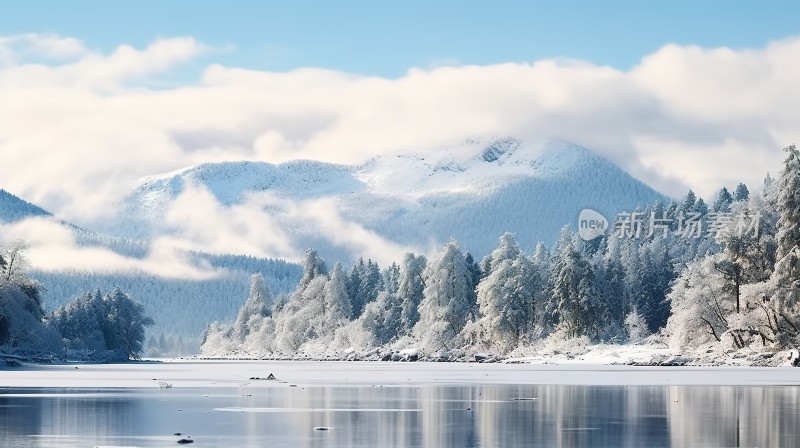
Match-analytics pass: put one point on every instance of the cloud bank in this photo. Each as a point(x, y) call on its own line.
point(79, 127)
point(53, 247)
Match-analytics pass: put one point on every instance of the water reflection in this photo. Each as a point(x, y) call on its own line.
point(434, 416)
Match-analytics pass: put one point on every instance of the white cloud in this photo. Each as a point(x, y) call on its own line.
point(75, 134)
point(265, 225)
point(197, 221)
point(52, 247)
point(23, 47)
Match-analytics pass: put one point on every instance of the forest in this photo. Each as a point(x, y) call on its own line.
point(93, 327)
point(687, 273)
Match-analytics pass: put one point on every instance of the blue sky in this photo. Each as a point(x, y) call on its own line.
point(387, 38)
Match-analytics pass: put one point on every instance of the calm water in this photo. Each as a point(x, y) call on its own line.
point(431, 416)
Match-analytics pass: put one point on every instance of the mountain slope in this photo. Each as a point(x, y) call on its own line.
point(472, 191)
point(13, 209)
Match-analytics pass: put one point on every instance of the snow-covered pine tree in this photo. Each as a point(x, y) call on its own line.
point(785, 303)
point(611, 284)
point(258, 305)
point(410, 290)
point(391, 278)
point(382, 318)
point(447, 300)
point(540, 266)
point(741, 193)
point(313, 266)
point(723, 201)
point(505, 297)
point(364, 284)
point(124, 324)
point(699, 307)
point(573, 291)
point(338, 308)
point(636, 326)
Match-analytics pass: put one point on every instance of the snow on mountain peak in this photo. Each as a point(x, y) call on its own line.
point(470, 166)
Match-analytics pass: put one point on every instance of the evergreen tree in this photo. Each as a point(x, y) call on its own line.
point(688, 204)
point(410, 290)
point(364, 285)
point(313, 267)
point(391, 278)
point(724, 201)
point(124, 324)
point(337, 302)
point(447, 300)
point(700, 207)
point(786, 278)
point(788, 237)
point(505, 297)
point(573, 293)
point(258, 305)
point(742, 193)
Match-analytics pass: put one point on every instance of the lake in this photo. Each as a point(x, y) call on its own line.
point(403, 415)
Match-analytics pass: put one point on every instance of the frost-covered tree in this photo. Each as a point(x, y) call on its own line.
point(573, 293)
point(109, 327)
point(505, 297)
point(313, 267)
point(258, 306)
point(302, 318)
point(723, 201)
point(689, 203)
point(391, 278)
point(382, 318)
point(22, 331)
point(337, 301)
point(699, 306)
point(656, 277)
point(636, 326)
point(785, 301)
point(741, 193)
point(788, 237)
point(364, 284)
point(700, 207)
point(447, 300)
point(410, 290)
point(611, 284)
point(124, 324)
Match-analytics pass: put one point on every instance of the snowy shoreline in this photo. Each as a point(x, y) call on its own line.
point(198, 373)
point(645, 354)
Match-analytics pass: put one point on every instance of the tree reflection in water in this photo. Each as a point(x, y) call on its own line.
point(405, 416)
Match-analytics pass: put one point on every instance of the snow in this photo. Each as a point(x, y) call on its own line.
point(216, 374)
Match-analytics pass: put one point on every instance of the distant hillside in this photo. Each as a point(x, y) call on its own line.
point(13, 209)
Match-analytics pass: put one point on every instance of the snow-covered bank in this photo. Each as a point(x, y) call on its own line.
point(577, 351)
point(188, 373)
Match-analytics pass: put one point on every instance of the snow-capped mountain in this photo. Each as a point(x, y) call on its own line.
point(472, 191)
